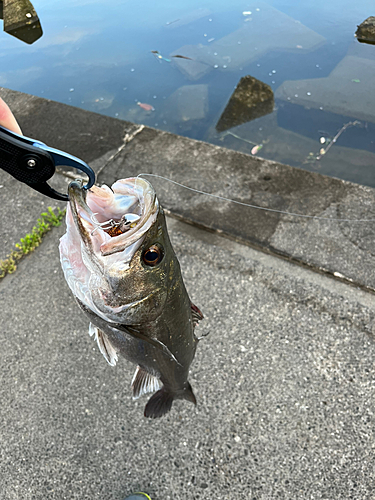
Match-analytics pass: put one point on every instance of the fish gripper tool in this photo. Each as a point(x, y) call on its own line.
point(34, 163)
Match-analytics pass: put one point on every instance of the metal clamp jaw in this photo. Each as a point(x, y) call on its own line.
point(34, 163)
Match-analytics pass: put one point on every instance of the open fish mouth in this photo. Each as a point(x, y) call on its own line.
point(110, 220)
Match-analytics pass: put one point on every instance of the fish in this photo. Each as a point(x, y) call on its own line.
point(120, 265)
point(183, 57)
point(145, 106)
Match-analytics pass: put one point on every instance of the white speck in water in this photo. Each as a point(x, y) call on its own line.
point(246, 13)
point(258, 65)
point(210, 20)
point(322, 140)
point(132, 69)
point(216, 66)
point(321, 107)
point(308, 93)
point(317, 65)
point(125, 88)
point(273, 71)
point(1, 186)
point(71, 90)
point(273, 81)
point(225, 66)
point(116, 114)
point(295, 95)
point(210, 40)
point(165, 122)
point(237, 439)
point(154, 96)
point(102, 98)
point(260, 128)
point(28, 15)
point(156, 124)
point(215, 53)
point(257, 10)
point(205, 34)
point(288, 98)
point(239, 43)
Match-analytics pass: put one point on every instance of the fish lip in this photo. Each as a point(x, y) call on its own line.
point(84, 217)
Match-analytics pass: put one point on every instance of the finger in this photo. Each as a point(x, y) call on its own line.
point(7, 119)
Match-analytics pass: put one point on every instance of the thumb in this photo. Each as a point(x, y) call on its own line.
point(7, 119)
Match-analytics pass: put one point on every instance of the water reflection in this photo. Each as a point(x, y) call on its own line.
point(21, 20)
point(251, 99)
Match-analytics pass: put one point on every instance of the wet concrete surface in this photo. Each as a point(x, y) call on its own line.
point(284, 380)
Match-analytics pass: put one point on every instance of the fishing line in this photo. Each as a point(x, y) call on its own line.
point(255, 206)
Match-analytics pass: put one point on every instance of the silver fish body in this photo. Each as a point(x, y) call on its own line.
point(129, 284)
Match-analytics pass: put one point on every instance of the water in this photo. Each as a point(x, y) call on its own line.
point(97, 55)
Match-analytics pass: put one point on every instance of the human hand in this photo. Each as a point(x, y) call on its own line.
point(7, 119)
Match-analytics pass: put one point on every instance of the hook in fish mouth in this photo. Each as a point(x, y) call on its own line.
point(112, 219)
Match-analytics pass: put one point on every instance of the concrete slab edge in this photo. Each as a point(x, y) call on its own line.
point(121, 149)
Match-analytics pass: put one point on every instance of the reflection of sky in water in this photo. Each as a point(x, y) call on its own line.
point(97, 55)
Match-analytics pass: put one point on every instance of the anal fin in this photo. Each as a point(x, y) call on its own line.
point(143, 382)
point(105, 346)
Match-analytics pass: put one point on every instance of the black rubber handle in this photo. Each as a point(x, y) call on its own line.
point(25, 162)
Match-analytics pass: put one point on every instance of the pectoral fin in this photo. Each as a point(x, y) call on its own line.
point(105, 347)
point(196, 314)
point(143, 382)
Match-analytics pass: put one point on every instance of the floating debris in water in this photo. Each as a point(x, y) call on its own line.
point(356, 80)
point(145, 106)
point(322, 140)
point(256, 148)
point(71, 90)
point(156, 54)
point(246, 13)
point(183, 57)
point(171, 22)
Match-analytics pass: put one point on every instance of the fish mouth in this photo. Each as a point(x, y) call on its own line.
point(110, 220)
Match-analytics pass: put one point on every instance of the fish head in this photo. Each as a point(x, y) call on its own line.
point(116, 254)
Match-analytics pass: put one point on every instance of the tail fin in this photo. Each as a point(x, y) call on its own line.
point(161, 402)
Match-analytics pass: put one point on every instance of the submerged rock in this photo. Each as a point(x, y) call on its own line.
point(366, 31)
point(266, 30)
point(188, 103)
point(251, 99)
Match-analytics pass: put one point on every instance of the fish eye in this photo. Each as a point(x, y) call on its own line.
point(153, 255)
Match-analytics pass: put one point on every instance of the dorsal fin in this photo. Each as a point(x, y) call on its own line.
point(143, 382)
point(105, 347)
point(196, 314)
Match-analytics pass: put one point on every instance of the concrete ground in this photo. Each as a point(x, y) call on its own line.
point(284, 380)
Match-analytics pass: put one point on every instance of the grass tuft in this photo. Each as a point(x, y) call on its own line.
point(32, 240)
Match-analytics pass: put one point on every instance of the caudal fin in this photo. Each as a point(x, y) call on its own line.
point(161, 402)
